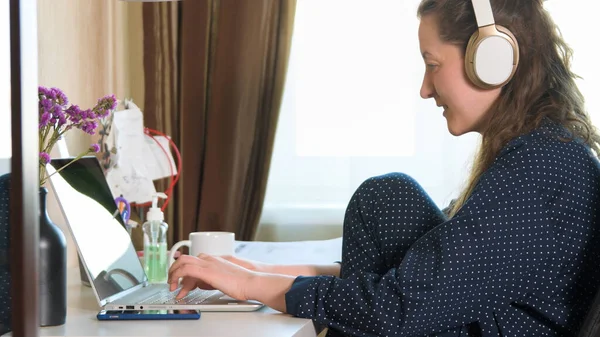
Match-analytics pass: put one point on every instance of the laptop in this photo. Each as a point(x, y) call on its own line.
point(106, 251)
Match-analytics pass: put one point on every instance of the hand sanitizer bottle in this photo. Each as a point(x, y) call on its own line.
point(155, 243)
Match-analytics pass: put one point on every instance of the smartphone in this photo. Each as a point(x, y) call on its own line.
point(115, 315)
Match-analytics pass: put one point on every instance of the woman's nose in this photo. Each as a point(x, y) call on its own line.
point(427, 90)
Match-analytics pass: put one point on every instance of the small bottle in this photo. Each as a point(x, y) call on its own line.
point(155, 243)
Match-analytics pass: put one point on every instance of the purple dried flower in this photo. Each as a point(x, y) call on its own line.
point(60, 96)
point(108, 102)
point(88, 114)
point(47, 104)
point(43, 91)
point(105, 105)
point(55, 119)
point(74, 114)
point(62, 120)
point(49, 93)
point(95, 148)
point(103, 113)
point(59, 116)
point(89, 126)
point(44, 158)
point(44, 119)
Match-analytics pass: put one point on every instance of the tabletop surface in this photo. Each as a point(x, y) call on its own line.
point(82, 306)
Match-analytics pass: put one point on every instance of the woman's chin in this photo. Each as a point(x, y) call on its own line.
point(454, 130)
point(456, 134)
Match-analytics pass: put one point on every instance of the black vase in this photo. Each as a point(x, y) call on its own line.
point(52, 269)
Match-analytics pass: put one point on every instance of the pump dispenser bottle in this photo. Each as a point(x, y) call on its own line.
point(155, 243)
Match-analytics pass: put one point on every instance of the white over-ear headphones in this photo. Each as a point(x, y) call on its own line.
point(492, 53)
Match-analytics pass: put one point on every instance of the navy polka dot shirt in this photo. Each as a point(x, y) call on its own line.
point(518, 259)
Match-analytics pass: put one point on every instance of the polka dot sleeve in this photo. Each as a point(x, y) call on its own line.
point(510, 261)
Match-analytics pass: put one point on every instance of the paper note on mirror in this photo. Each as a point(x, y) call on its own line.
point(133, 172)
point(128, 127)
point(129, 183)
point(151, 156)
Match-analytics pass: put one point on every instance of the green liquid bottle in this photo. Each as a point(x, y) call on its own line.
point(155, 243)
point(155, 266)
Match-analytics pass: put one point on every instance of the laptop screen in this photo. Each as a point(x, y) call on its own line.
point(89, 209)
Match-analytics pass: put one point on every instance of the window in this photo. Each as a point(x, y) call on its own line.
point(351, 109)
point(569, 16)
point(5, 125)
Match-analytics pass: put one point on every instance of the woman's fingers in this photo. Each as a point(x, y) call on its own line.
point(186, 270)
point(208, 272)
point(187, 284)
point(182, 260)
point(193, 271)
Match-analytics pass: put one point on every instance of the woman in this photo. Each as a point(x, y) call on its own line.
point(514, 256)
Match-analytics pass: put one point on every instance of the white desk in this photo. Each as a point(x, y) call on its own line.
point(82, 309)
point(82, 306)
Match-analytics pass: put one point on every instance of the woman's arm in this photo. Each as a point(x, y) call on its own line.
point(303, 270)
point(332, 269)
point(270, 286)
point(270, 289)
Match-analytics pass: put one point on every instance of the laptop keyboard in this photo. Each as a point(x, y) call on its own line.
point(195, 296)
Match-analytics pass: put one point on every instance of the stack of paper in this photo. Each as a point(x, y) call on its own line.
point(297, 252)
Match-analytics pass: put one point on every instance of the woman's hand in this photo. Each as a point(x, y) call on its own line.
point(249, 264)
point(210, 272)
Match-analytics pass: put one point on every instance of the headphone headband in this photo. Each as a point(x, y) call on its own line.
point(483, 12)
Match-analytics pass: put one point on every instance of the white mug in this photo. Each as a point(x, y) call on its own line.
point(212, 243)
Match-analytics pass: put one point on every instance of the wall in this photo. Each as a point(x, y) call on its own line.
point(89, 48)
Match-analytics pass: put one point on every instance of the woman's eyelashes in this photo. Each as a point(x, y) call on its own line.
point(430, 66)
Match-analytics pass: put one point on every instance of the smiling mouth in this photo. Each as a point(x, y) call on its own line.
point(445, 107)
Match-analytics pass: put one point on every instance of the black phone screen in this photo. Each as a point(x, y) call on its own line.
point(147, 314)
point(150, 312)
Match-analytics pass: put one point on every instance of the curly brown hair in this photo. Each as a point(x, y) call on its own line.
point(543, 85)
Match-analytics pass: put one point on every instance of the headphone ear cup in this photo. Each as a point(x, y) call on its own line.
point(469, 56)
point(491, 57)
